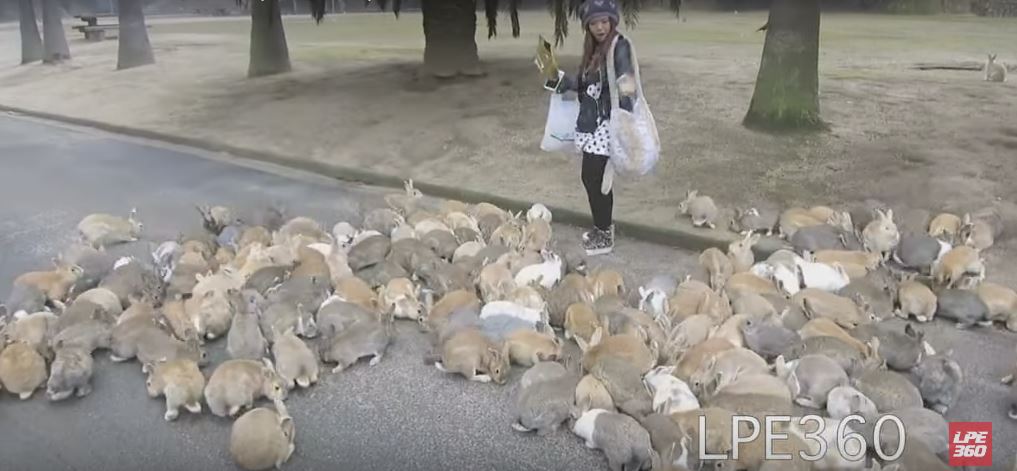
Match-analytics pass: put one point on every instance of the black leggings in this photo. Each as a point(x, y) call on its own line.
point(601, 205)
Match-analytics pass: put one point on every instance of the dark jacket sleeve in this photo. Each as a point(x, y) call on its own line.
point(623, 66)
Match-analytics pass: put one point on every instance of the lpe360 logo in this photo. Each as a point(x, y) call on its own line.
point(843, 440)
point(970, 444)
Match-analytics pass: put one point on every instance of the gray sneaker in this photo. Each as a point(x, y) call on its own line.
point(598, 242)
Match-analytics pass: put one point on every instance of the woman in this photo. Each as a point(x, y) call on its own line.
point(600, 21)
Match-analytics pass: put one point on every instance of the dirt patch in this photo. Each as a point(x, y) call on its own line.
point(938, 140)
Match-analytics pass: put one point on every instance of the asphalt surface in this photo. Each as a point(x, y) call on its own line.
point(399, 414)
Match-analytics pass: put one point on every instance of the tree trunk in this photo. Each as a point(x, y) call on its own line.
point(134, 48)
point(269, 54)
point(53, 38)
point(450, 46)
point(786, 95)
point(31, 43)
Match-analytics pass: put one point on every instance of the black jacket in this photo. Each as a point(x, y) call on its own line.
point(589, 109)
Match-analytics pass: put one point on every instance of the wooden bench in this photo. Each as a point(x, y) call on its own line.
point(93, 30)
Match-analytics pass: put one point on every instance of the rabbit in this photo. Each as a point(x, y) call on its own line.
point(102, 230)
point(959, 262)
point(888, 390)
point(901, 350)
point(294, 360)
point(311, 262)
point(137, 322)
point(718, 265)
point(383, 220)
point(528, 297)
point(301, 227)
point(653, 296)
point(135, 279)
point(573, 288)
point(920, 251)
point(793, 219)
point(701, 209)
point(945, 226)
point(22, 369)
point(625, 443)
point(830, 278)
point(176, 315)
point(759, 384)
point(359, 340)
point(54, 284)
point(262, 438)
point(215, 218)
point(70, 373)
point(670, 395)
point(592, 394)
point(915, 299)
point(627, 347)
point(104, 298)
point(1001, 301)
point(369, 251)
point(538, 212)
point(867, 260)
point(24, 299)
point(844, 401)
point(845, 354)
point(309, 291)
point(811, 378)
point(442, 277)
point(36, 329)
point(495, 282)
point(920, 424)
point(245, 339)
point(939, 379)
point(768, 338)
point(881, 235)
point(88, 335)
point(180, 381)
point(750, 221)
point(470, 248)
point(700, 355)
point(689, 332)
point(605, 281)
point(529, 316)
point(95, 264)
point(994, 72)
point(277, 317)
point(821, 326)
point(471, 354)
point(669, 441)
point(156, 345)
point(752, 454)
point(981, 229)
point(724, 366)
point(580, 322)
point(438, 313)
point(625, 385)
point(876, 291)
point(442, 242)
point(216, 311)
point(537, 235)
point(400, 298)
point(740, 253)
point(832, 455)
point(546, 274)
point(508, 234)
point(962, 306)
point(236, 384)
point(748, 281)
point(528, 347)
point(540, 372)
point(823, 237)
point(846, 312)
point(544, 406)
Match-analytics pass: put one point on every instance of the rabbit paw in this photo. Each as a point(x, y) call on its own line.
point(1008, 379)
point(193, 408)
point(481, 378)
point(375, 360)
point(171, 415)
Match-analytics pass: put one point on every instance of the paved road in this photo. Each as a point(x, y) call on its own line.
point(397, 415)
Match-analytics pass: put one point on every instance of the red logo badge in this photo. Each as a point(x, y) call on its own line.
point(970, 444)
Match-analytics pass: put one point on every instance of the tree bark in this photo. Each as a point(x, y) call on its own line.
point(53, 38)
point(450, 45)
point(786, 96)
point(31, 42)
point(269, 53)
point(134, 49)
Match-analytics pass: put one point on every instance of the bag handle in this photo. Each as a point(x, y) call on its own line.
point(612, 74)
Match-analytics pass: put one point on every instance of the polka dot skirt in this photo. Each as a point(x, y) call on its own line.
point(597, 142)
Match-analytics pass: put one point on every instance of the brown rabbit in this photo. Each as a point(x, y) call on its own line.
point(357, 291)
point(846, 312)
point(22, 369)
point(607, 282)
point(472, 354)
point(573, 288)
point(945, 226)
point(592, 394)
point(793, 219)
point(580, 321)
point(238, 383)
point(914, 298)
point(699, 355)
point(438, 313)
point(740, 253)
point(959, 261)
point(528, 347)
point(56, 283)
point(263, 438)
point(718, 265)
point(688, 299)
point(628, 347)
point(1001, 301)
point(180, 381)
point(748, 281)
point(824, 327)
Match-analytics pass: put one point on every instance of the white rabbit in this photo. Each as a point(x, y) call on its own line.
point(670, 394)
point(547, 274)
point(343, 233)
point(822, 276)
point(508, 308)
point(538, 211)
point(994, 72)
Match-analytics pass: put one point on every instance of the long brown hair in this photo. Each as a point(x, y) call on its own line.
point(594, 53)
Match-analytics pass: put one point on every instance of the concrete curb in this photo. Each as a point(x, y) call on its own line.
point(682, 235)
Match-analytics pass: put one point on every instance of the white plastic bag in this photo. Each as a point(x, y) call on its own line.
point(635, 145)
point(560, 129)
